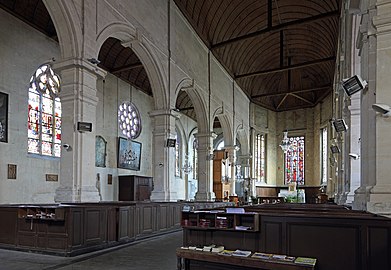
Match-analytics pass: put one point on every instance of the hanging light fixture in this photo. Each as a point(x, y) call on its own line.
point(285, 143)
point(187, 168)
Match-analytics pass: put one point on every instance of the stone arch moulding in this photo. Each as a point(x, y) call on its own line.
point(63, 15)
point(242, 137)
point(131, 37)
point(199, 104)
point(226, 127)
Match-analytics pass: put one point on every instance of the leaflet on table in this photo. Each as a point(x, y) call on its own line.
point(306, 261)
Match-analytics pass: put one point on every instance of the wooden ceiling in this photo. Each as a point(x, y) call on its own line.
point(280, 52)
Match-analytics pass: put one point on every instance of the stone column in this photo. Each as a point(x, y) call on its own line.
point(163, 156)
point(78, 100)
point(231, 151)
point(367, 45)
point(205, 165)
point(380, 195)
point(355, 166)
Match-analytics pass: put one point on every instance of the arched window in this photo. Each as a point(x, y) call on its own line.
point(177, 154)
point(195, 158)
point(44, 113)
point(294, 161)
point(260, 157)
point(323, 141)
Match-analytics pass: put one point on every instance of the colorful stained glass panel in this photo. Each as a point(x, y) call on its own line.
point(294, 161)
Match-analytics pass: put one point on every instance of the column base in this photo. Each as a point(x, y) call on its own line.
point(159, 196)
point(361, 198)
point(67, 194)
point(205, 196)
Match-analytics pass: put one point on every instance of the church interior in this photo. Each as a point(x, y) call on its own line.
point(255, 125)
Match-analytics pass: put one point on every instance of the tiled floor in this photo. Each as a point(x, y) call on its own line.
point(155, 253)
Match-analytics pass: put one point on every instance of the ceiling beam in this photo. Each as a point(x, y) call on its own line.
point(281, 26)
point(289, 67)
point(293, 92)
point(127, 67)
point(282, 101)
point(301, 98)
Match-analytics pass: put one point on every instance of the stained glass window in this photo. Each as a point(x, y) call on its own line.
point(260, 157)
point(44, 113)
point(294, 161)
point(323, 134)
point(195, 158)
point(177, 155)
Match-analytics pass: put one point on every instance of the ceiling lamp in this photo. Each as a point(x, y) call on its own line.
point(353, 84)
point(285, 143)
point(129, 120)
point(187, 168)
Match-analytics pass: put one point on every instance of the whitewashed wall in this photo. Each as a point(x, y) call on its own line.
point(111, 93)
point(22, 50)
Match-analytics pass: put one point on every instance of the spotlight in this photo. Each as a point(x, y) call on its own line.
point(384, 109)
point(353, 84)
point(354, 156)
point(340, 125)
point(93, 61)
point(335, 149)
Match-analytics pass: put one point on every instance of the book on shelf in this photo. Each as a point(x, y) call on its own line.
point(236, 210)
point(226, 252)
point(242, 228)
point(217, 249)
point(306, 261)
point(208, 248)
point(241, 253)
point(283, 258)
point(261, 255)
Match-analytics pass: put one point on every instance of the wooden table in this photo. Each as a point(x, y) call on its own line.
point(209, 260)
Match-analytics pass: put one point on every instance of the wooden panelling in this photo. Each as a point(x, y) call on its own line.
point(333, 241)
point(272, 237)
point(338, 237)
point(147, 219)
point(95, 225)
point(77, 227)
point(164, 217)
point(87, 226)
point(8, 226)
point(379, 248)
point(123, 229)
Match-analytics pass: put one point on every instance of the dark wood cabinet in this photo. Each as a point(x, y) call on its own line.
point(134, 188)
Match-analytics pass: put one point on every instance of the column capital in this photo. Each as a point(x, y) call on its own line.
point(71, 63)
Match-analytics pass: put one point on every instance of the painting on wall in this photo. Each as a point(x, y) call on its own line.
point(3, 117)
point(129, 154)
point(100, 151)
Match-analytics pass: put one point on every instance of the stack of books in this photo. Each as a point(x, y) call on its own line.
point(204, 223)
point(241, 253)
point(305, 261)
point(221, 222)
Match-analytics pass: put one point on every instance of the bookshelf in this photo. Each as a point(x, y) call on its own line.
point(220, 221)
point(42, 213)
